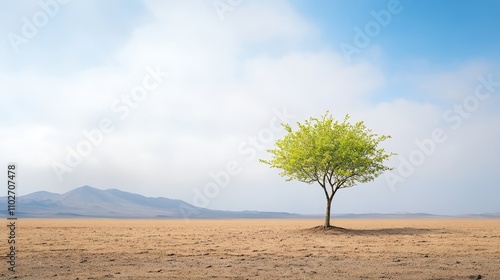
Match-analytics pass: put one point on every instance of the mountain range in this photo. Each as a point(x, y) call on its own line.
point(90, 202)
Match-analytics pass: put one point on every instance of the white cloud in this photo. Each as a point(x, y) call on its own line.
point(226, 77)
point(451, 85)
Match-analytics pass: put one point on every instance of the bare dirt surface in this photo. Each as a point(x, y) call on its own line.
point(255, 249)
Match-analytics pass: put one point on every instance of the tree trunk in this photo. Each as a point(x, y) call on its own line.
point(327, 215)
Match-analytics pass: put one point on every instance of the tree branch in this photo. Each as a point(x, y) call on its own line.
point(324, 189)
point(324, 179)
point(341, 182)
point(312, 176)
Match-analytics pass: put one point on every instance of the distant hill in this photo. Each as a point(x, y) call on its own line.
point(485, 215)
point(411, 216)
point(91, 202)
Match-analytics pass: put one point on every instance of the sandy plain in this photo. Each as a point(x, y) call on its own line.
point(255, 249)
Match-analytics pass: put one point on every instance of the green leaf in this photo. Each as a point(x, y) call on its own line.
point(324, 150)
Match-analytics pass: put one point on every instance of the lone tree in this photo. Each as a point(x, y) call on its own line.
point(334, 154)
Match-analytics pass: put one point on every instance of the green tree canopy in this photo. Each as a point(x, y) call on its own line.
point(334, 154)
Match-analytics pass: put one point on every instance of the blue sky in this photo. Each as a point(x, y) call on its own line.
point(235, 70)
point(440, 31)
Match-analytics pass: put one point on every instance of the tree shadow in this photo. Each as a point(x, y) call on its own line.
point(369, 232)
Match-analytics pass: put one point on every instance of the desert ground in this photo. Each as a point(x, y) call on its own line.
point(255, 249)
